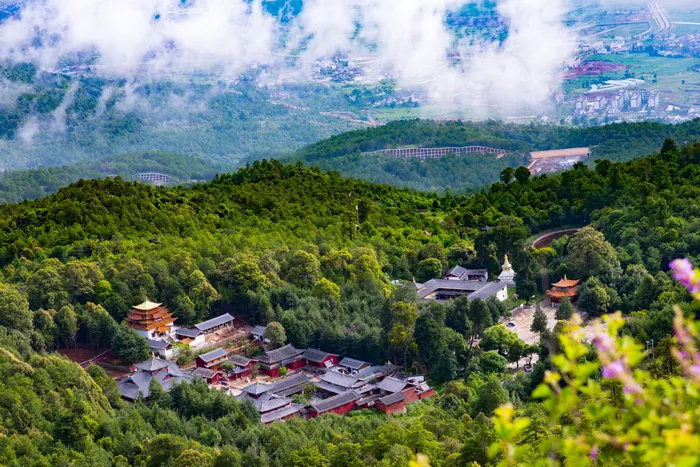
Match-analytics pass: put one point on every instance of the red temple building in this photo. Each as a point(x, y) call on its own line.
point(564, 288)
point(151, 320)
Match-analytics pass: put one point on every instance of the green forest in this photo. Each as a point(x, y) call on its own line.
point(332, 259)
point(344, 152)
point(19, 185)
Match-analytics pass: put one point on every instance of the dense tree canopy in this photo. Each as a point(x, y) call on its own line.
point(276, 243)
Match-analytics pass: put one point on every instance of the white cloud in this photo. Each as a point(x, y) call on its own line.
point(10, 91)
point(141, 38)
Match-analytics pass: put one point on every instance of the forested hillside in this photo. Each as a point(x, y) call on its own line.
point(318, 252)
point(19, 185)
point(615, 142)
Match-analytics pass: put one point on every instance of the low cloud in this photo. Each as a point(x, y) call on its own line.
point(10, 92)
point(407, 40)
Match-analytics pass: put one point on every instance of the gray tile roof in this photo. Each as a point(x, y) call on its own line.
point(368, 399)
point(240, 360)
point(157, 344)
point(170, 383)
point(290, 385)
point(365, 389)
point(390, 384)
point(213, 355)
point(317, 356)
point(344, 381)
point(334, 402)
point(212, 323)
point(464, 287)
point(140, 381)
point(328, 387)
point(188, 332)
point(258, 330)
point(257, 388)
point(392, 398)
point(278, 414)
point(205, 373)
point(279, 355)
point(268, 402)
point(352, 363)
point(152, 364)
point(457, 271)
point(489, 290)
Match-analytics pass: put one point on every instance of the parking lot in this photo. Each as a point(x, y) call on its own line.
point(523, 320)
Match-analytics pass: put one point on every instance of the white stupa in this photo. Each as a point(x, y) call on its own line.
point(507, 274)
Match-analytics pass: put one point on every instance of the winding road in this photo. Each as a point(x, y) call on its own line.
point(546, 239)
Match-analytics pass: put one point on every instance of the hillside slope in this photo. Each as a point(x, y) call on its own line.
point(20, 185)
point(343, 152)
point(317, 253)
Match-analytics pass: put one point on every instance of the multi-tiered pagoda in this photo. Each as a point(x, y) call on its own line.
point(151, 320)
point(564, 288)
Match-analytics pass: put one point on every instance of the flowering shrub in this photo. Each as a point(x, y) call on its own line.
point(608, 410)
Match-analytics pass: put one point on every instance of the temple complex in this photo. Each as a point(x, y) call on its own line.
point(151, 320)
point(564, 288)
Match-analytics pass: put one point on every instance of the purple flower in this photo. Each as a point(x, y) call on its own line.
point(594, 452)
point(632, 388)
point(684, 273)
point(603, 342)
point(614, 369)
point(683, 337)
point(694, 370)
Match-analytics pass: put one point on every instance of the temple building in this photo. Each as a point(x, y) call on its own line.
point(136, 385)
point(151, 320)
point(564, 288)
point(507, 274)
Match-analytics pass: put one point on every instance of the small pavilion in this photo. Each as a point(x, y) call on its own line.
point(564, 288)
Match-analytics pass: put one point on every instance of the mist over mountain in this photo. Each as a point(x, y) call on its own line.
point(231, 80)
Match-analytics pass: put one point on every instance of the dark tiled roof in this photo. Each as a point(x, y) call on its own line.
point(445, 284)
point(390, 384)
point(131, 390)
point(464, 273)
point(188, 332)
point(205, 373)
point(328, 387)
point(392, 398)
point(278, 355)
point(457, 271)
point(213, 355)
point(157, 344)
point(239, 360)
point(344, 381)
point(257, 388)
point(335, 401)
point(365, 389)
point(152, 364)
point(368, 399)
point(489, 290)
point(290, 383)
point(281, 413)
point(269, 402)
point(317, 356)
point(212, 323)
point(352, 363)
point(258, 330)
point(140, 381)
